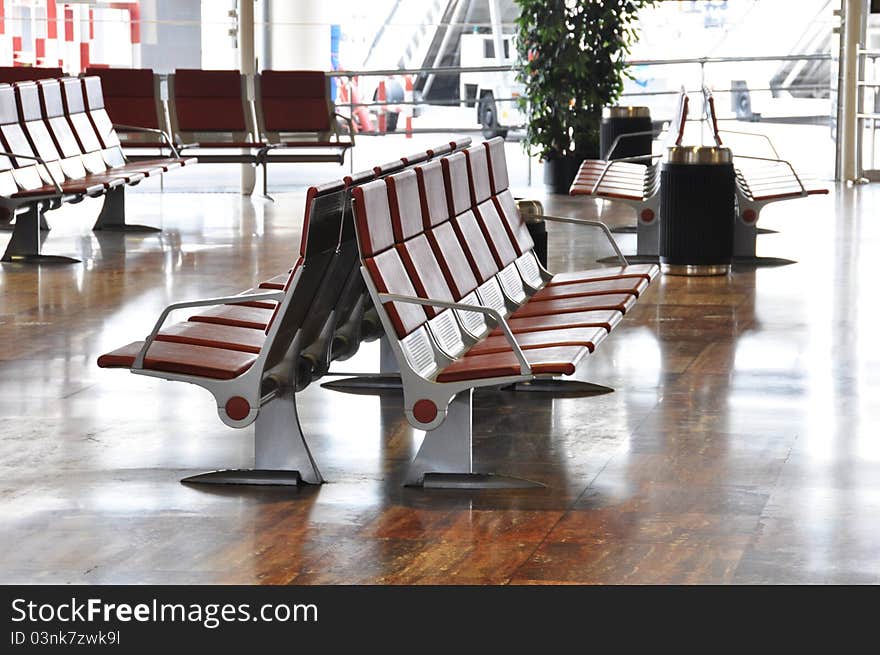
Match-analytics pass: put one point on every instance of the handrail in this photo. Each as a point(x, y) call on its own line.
point(626, 135)
point(512, 67)
point(39, 160)
point(138, 363)
point(583, 221)
point(779, 161)
point(149, 130)
point(524, 367)
point(636, 160)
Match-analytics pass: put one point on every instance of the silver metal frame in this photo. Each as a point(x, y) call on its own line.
point(445, 457)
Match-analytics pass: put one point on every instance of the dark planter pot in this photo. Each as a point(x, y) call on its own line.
point(559, 172)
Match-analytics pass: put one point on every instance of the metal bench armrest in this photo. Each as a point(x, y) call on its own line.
point(349, 122)
point(619, 137)
point(757, 134)
point(150, 130)
point(524, 366)
point(139, 360)
point(778, 161)
point(39, 160)
point(597, 224)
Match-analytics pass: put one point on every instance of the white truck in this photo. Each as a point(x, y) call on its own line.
point(493, 94)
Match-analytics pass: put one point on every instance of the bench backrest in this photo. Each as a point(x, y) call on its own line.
point(10, 74)
point(74, 103)
point(709, 101)
point(33, 125)
point(132, 96)
point(94, 97)
point(212, 102)
point(679, 121)
point(13, 139)
point(293, 102)
point(329, 284)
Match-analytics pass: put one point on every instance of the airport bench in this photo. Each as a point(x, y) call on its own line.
point(254, 351)
point(759, 182)
point(465, 303)
point(133, 98)
point(210, 114)
point(630, 182)
point(56, 152)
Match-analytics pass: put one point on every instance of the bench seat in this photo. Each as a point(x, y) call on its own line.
point(558, 306)
point(184, 359)
point(596, 318)
point(560, 360)
point(215, 335)
point(631, 285)
point(588, 337)
point(236, 315)
point(644, 271)
point(276, 282)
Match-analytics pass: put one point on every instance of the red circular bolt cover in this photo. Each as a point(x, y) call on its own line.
point(750, 216)
point(237, 408)
point(647, 215)
point(424, 411)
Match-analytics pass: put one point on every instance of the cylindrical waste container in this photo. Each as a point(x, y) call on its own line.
point(532, 212)
point(625, 120)
point(697, 211)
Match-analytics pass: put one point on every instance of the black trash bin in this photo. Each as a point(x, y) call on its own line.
point(697, 211)
point(626, 120)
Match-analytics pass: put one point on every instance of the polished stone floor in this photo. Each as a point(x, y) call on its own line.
point(741, 444)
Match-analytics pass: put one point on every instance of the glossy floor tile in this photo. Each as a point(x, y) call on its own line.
point(740, 446)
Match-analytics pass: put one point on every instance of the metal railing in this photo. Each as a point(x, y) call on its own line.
point(868, 120)
point(703, 62)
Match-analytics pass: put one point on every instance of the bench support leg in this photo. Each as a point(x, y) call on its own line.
point(445, 458)
point(266, 182)
point(647, 243)
point(745, 239)
point(388, 378)
point(112, 216)
point(281, 455)
point(26, 242)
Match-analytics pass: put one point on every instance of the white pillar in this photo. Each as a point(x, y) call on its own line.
point(299, 34)
point(848, 91)
point(247, 67)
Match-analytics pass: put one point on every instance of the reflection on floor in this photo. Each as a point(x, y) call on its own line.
point(738, 446)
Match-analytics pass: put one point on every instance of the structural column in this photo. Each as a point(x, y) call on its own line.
point(297, 34)
point(847, 132)
point(248, 68)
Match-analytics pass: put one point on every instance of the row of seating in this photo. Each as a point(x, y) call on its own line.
point(631, 182)
point(209, 113)
point(455, 285)
point(465, 303)
point(760, 180)
point(253, 351)
point(59, 146)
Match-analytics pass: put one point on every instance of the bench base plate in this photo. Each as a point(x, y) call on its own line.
point(560, 387)
point(753, 262)
point(125, 227)
point(366, 384)
point(40, 259)
point(257, 477)
point(476, 481)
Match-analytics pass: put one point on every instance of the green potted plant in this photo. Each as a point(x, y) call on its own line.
point(572, 64)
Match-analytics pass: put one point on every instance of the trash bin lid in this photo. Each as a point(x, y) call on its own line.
point(698, 155)
point(626, 112)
